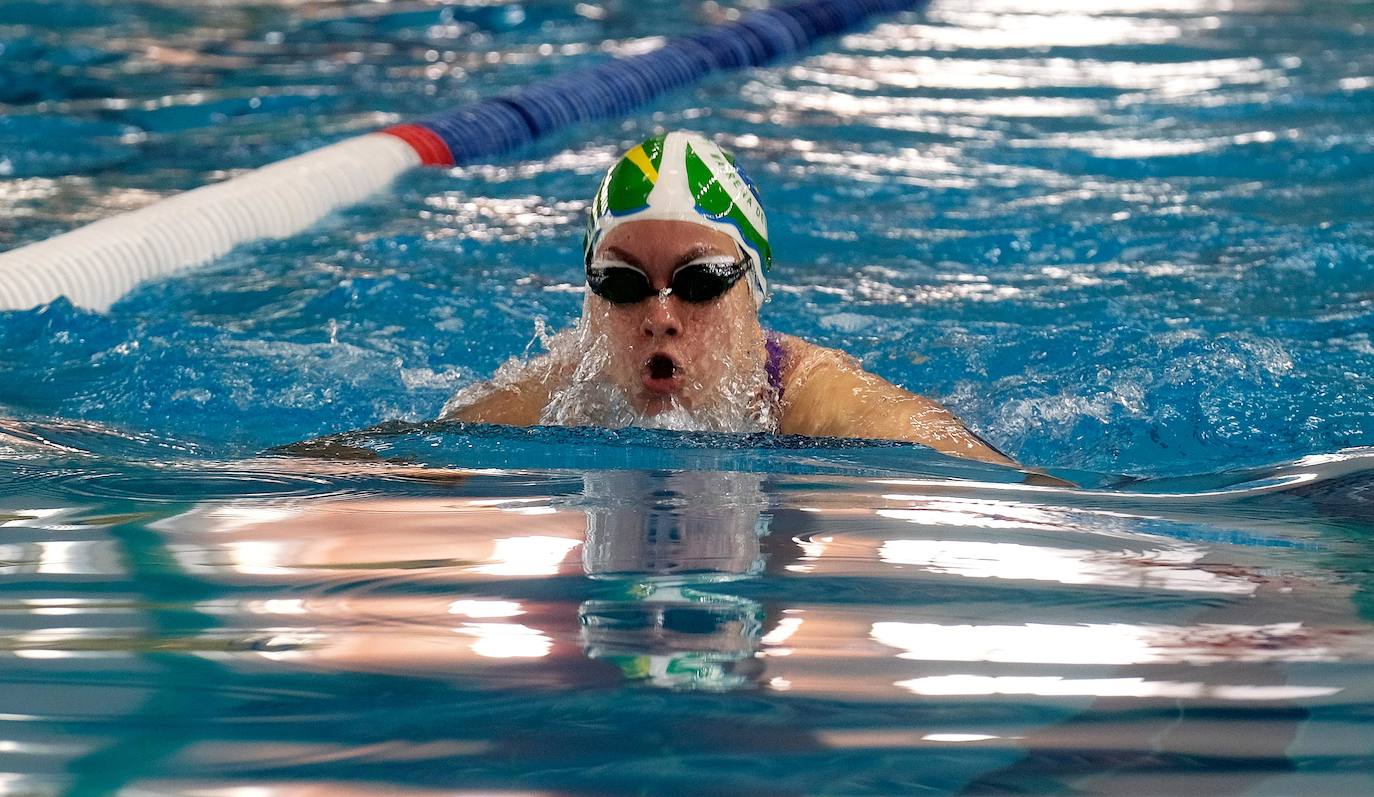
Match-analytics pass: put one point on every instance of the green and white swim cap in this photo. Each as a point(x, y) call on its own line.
point(684, 177)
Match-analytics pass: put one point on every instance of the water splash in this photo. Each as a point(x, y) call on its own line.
point(588, 384)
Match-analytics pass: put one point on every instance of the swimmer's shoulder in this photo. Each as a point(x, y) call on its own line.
point(817, 383)
point(827, 393)
point(486, 403)
point(803, 362)
point(515, 396)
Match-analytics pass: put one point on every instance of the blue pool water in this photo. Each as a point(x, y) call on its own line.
point(1129, 242)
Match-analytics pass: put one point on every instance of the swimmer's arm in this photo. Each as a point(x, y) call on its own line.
point(834, 397)
point(513, 405)
point(517, 401)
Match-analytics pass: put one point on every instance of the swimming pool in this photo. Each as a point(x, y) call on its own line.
point(1129, 242)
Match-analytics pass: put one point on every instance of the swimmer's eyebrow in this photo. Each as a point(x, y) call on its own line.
point(695, 253)
point(699, 251)
point(622, 256)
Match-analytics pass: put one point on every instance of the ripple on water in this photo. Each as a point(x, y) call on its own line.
point(177, 485)
point(41, 146)
point(1122, 184)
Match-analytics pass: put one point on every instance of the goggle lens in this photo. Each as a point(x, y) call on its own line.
point(620, 284)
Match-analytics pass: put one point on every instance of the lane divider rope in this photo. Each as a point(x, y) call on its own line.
point(95, 265)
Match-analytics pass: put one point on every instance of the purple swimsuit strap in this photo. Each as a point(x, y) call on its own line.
point(777, 358)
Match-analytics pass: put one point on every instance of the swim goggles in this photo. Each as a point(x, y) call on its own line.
point(697, 282)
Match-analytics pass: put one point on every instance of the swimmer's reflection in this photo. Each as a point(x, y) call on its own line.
point(662, 538)
point(658, 547)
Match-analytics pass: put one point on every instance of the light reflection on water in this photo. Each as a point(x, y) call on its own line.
point(1158, 198)
point(1118, 236)
point(813, 590)
point(873, 72)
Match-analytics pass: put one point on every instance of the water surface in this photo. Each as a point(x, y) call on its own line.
point(1128, 242)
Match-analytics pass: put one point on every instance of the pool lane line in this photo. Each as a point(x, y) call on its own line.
point(95, 265)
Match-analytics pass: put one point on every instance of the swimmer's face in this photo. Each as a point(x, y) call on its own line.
point(665, 349)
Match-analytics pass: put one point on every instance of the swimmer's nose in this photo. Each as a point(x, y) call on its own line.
point(659, 320)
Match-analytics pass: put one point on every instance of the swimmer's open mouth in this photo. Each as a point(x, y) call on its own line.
point(661, 366)
point(662, 374)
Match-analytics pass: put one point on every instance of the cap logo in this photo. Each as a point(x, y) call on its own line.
point(713, 198)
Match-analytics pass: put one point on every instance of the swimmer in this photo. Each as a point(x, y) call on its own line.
point(676, 252)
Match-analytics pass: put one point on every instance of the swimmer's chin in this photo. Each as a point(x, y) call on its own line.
point(673, 417)
point(679, 399)
point(658, 390)
point(650, 403)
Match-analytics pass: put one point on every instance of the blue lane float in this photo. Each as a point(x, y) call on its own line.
point(95, 265)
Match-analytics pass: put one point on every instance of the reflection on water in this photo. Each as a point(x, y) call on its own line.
point(1092, 643)
point(1117, 235)
point(660, 537)
point(559, 623)
point(675, 525)
point(1055, 686)
point(677, 637)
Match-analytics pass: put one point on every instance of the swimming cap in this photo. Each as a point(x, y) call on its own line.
point(684, 177)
